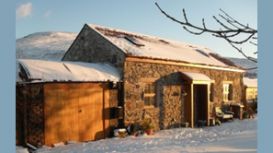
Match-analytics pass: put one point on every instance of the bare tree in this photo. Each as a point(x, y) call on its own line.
point(234, 32)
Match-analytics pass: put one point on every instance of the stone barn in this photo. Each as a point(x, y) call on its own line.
point(169, 82)
point(65, 101)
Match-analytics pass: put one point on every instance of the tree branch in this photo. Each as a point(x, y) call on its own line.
point(232, 29)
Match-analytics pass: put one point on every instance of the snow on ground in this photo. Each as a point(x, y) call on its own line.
point(232, 137)
point(20, 149)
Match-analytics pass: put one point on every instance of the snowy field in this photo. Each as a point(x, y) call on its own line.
point(232, 137)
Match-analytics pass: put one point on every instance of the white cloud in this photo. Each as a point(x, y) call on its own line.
point(47, 13)
point(24, 10)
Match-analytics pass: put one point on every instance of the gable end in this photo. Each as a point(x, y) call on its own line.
point(91, 46)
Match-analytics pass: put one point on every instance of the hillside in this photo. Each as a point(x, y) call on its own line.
point(44, 45)
point(244, 63)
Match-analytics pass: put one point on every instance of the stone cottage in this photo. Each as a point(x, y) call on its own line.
point(169, 82)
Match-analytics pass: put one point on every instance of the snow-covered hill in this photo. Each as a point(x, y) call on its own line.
point(53, 45)
point(244, 63)
point(44, 45)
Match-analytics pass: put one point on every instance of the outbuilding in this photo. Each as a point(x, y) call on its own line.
point(66, 101)
point(250, 90)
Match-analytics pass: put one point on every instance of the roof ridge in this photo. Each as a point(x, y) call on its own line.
point(95, 26)
point(112, 34)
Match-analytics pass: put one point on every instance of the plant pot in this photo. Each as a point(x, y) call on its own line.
point(122, 133)
point(149, 131)
point(185, 124)
point(212, 122)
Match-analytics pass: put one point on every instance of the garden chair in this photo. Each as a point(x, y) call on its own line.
point(223, 116)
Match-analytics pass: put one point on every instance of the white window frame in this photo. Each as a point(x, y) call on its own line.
point(226, 91)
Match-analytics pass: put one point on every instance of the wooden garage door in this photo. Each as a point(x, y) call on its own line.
point(91, 112)
point(73, 112)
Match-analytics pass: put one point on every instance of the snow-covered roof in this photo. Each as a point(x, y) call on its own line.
point(140, 45)
point(48, 71)
point(248, 82)
point(197, 76)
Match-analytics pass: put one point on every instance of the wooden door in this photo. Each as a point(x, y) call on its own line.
point(61, 122)
point(90, 112)
point(70, 98)
point(74, 112)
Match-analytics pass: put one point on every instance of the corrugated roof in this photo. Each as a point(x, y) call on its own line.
point(41, 70)
point(149, 46)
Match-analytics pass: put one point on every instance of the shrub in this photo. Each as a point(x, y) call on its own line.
point(147, 125)
point(133, 128)
point(245, 114)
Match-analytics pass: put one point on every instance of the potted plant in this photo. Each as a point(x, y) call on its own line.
point(122, 133)
point(217, 122)
point(148, 127)
point(135, 129)
point(245, 115)
point(185, 124)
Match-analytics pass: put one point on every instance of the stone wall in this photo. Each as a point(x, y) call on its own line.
point(172, 106)
point(90, 46)
point(113, 102)
point(30, 114)
point(168, 80)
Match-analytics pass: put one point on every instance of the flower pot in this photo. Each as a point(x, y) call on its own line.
point(185, 124)
point(149, 131)
point(121, 133)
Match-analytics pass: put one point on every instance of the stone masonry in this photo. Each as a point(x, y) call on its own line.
point(90, 46)
point(171, 113)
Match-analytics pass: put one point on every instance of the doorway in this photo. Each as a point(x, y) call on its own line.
point(200, 101)
point(74, 111)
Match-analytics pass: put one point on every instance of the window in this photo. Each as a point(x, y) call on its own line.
point(134, 41)
point(256, 93)
point(149, 94)
point(202, 52)
point(251, 93)
point(227, 92)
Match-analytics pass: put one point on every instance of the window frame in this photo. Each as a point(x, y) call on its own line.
point(227, 86)
point(149, 94)
point(212, 93)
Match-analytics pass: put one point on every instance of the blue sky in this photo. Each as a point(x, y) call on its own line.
point(137, 16)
